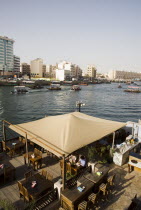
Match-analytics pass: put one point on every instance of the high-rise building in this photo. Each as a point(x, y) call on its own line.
point(25, 69)
point(16, 64)
point(91, 71)
point(6, 56)
point(37, 67)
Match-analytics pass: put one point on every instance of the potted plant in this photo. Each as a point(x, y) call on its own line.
point(92, 153)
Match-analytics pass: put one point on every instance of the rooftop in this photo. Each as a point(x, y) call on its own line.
point(6, 38)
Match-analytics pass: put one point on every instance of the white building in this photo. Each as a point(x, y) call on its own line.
point(36, 67)
point(125, 75)
point(91, 71)
point(62, 74)
point(69, 70)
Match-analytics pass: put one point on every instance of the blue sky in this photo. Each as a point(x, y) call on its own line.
point(106, 33)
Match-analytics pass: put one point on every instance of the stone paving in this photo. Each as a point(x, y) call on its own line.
point(127, 185)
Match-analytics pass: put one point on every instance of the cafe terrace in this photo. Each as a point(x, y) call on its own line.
point(61, 136)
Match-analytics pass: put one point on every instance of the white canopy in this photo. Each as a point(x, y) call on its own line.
point(63, 134)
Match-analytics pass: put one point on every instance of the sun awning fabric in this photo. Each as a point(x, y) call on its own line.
point(63, 134)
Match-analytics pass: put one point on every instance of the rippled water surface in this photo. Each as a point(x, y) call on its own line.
point(104, 101)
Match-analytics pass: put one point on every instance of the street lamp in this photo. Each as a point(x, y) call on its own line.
point(79, 104)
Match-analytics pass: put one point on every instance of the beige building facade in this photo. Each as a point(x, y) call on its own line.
point(91, 71)
point(123, 75)
point(37, 67)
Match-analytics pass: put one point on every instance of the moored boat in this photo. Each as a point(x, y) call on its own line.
point(19, 90)
point(54, 87)
point(85, 84)
point(76, 87)
point(132, 89)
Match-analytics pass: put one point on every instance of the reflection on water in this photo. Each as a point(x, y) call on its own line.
point(104, 101)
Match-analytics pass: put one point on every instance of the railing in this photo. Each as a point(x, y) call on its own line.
point(45, 200)
point(73, 181)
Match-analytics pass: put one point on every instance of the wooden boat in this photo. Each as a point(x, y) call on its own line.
point(19, 90)
point(76, 87)
point(85, 84)
point(132, 89)
point(54, 87)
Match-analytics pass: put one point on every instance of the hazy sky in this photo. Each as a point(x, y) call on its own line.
point(106, 33)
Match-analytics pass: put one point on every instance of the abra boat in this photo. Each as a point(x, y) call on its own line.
point(54, 87)
point(132, 89)
point(19, 90)
point(76, 87)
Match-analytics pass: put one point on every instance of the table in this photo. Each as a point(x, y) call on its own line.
point(37, 158)
point(134, 166)
point(43, 185)
point(70, 198)
point(121, 158)
point(14, 145)
point(11, 169)
point(93, 177)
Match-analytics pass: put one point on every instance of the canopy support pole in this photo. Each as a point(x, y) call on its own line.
point(26, 148)
point(133, 130)
point(4, 131)
point(64, 172)
point(113, 140)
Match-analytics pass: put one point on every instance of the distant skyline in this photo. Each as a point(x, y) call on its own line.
point(104, 33)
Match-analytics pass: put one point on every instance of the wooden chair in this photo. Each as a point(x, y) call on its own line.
point(110, 180)
point(36, 151)
point(28, 174)
point(103, 188)
point(21, 191)
point(40, 161)
point(4, 146)
point(40, 154)
point(27, 197)
point(92, 197)
point(44, 173)
point(24, 140)
point(48, 153)
point(83, 205)
point(68, 168)
point(49, 176)
point(20, 138)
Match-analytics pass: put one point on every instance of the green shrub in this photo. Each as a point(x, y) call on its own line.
point(7, 205)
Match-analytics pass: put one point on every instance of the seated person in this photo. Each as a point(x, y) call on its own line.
point(72, 159)
point(82, 161)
